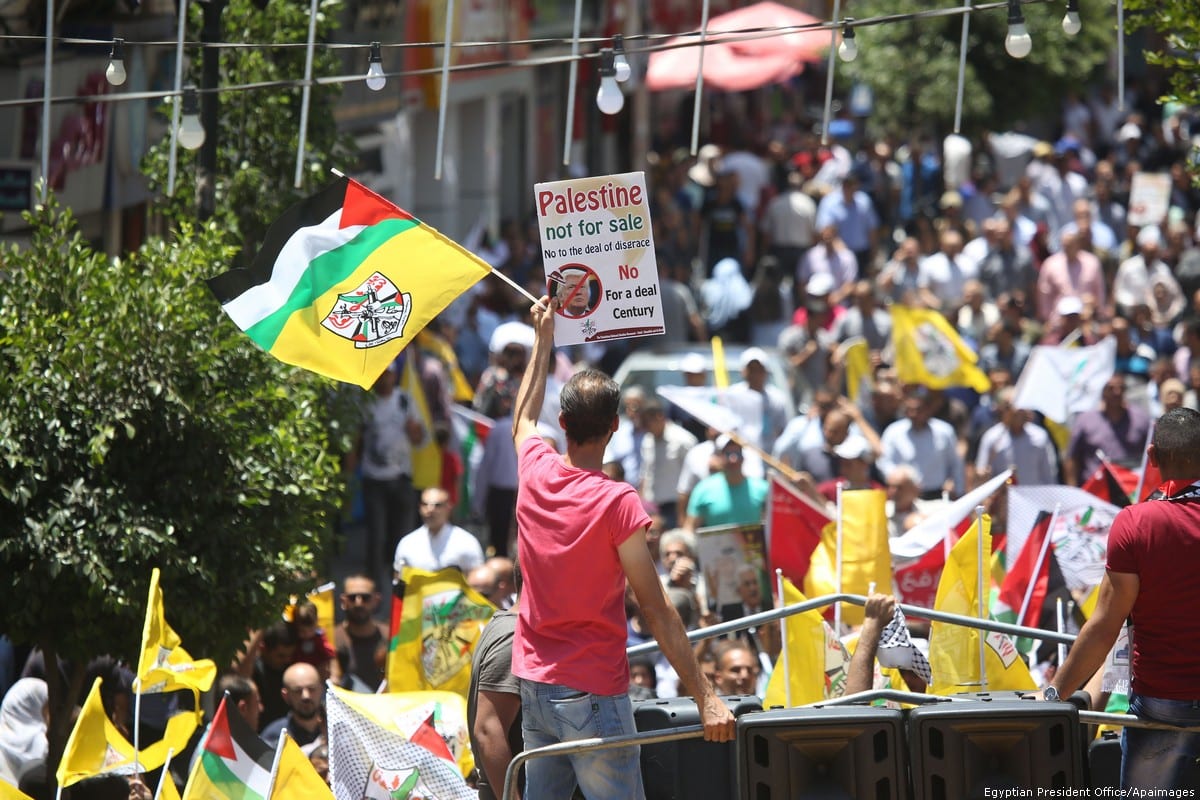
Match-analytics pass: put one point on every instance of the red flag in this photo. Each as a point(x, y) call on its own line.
point(427, 736)
point(1027, 570)
point(1151, 480)
point(794, 525)
point(1112, 483)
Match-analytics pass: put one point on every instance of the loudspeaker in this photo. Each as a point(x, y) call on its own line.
point(829, 753)
point(1104, 761)
point(963, 748)
point(689, 768)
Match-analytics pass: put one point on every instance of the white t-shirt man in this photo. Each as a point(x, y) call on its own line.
point(449, 546)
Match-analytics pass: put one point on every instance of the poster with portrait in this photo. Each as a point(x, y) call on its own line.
point(598, 252)
point(732, 560)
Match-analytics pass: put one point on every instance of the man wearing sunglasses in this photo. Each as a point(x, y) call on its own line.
point(361, 640)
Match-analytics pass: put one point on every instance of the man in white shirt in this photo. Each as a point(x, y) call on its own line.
point(384, 451)
point(663, 449)
point(437, 544)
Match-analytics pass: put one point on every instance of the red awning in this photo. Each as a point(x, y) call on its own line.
point(739, 62)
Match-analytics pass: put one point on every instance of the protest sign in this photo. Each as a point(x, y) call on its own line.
point(598, 252)
point(1149, 198)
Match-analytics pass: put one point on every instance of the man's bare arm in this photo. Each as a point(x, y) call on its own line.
point(494, 715)
point(528, 406)
point(669, 632)
point(1118, 592)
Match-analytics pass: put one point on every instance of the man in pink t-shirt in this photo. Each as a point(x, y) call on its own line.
point(580, 536)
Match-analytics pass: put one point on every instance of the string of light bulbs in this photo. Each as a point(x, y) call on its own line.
point(612, 62)
point(375, 72)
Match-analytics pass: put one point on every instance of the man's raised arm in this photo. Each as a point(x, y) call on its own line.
point(532, 394)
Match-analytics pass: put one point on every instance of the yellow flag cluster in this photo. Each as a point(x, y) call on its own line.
point(816, 660)
point(954, 649)
point(866, 558)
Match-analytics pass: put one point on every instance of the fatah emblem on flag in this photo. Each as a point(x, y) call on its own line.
point(395, 784)
point(445, 649)
point(374, 313)
point(941, 359)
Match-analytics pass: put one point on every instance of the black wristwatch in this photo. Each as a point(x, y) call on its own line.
point(1051, 694)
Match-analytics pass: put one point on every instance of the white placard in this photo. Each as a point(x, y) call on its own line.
point(1149, 198)
point(598, 252)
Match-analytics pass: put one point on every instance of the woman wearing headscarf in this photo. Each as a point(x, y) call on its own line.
point(23, 743)
point(726, 297)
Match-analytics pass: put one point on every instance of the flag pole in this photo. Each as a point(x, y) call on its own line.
point(837, 609)
point(283, 735)
point(1141, 484)
point(1062, 627)
point(787, 675)
point(166, 773)
point(1037, 569)
point(445, 93)
point(699, 78)
point(981, 600)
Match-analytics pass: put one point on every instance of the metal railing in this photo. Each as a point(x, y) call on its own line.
point(773, 615)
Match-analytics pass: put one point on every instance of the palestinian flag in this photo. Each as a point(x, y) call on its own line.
point(344, 281)
point(1112, 484)
point(234, 764)
point(1028, 580)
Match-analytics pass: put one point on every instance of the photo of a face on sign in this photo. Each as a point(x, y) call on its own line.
point(577, 288)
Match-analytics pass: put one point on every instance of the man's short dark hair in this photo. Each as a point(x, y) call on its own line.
point(277, 634)
point(589, 406)
point(238, 687)
point(1177, 439)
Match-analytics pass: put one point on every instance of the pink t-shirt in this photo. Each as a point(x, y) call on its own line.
point(571, 626)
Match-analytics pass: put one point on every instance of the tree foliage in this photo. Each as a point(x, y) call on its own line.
point(912, 66)
point(260, 128)
point(140, 428)
point(1179, 24)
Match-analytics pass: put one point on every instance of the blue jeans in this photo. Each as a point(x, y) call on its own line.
point(552, 714)
point(1153, 759)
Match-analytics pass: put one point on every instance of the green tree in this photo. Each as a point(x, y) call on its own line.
point(260, 128)
point(912, 66)
point(140, 428)
point(1179, 25)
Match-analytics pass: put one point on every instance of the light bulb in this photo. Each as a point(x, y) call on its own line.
point(191, 132)
point(1071, 23)
point(619, 61)
point(848, 49)
point(115, 73)
point(609, 98)
point(375, 76)
point(1018, 43)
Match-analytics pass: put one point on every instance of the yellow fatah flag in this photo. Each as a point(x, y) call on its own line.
point(164, 665)
point(426, 457)
point(928, 351)
point(720, 369)
point(296, 778)
point(437, 346)
point(856, 357)
point(1089, 603)
point(435, 633)
point(866, 558)
point(10, 792)
point(95, 746)
point(817, 661)
point(167, 790)
point(322, 598)
point(954, 649)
